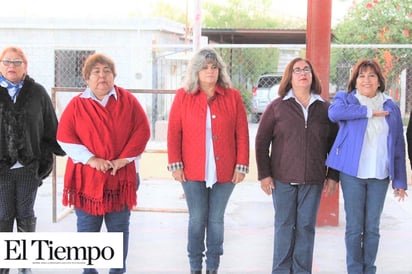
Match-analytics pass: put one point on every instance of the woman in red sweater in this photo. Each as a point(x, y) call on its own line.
point(103, 131)
point(208, 152)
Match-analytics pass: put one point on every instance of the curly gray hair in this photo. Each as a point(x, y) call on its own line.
point(201, 59)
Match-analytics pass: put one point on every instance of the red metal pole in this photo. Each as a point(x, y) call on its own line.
point(318, 40)
point(318, 36)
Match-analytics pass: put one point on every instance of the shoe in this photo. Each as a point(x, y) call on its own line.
point(211, 271)
point(6, 226)
point(196, 272)
point(26, 225)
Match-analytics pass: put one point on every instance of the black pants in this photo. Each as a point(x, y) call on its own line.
point(18, 190)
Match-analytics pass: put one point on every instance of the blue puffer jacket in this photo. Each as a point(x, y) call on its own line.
point(352, 119)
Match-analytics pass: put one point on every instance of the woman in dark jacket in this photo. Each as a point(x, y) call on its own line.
point(292, 142)
point(28, 125)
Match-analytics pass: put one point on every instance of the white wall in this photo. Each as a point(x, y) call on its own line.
point(127, 41)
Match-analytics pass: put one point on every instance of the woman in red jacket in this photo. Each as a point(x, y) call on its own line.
point(208, 152)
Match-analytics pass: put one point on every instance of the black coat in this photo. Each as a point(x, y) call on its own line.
point(28, 129)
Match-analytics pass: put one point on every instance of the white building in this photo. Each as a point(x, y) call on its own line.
point(57, 47)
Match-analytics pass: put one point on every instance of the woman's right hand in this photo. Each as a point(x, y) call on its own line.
point(379, 113)
point(267, 185)
point(100, 164)
point(400, 194)
point(179, 175)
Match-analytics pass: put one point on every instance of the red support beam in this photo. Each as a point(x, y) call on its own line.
point(318, 36)
point(318, 40)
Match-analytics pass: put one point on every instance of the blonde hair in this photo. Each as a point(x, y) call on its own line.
point(14, 49)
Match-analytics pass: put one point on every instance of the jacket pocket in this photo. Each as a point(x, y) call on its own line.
point(340, 144)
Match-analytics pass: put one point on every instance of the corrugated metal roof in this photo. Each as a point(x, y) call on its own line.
point(255, 36)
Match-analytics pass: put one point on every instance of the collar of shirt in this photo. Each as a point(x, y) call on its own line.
point(88, 94)
point(218, 90)
point(313, 96)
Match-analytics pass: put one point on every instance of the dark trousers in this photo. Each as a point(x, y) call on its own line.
point(18, 190)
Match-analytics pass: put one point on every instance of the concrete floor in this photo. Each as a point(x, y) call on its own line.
point(159, 229)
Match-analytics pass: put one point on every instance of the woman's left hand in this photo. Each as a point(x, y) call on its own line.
point(238, 177)
point(118, 164)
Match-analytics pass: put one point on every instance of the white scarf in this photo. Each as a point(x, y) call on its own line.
point(375, 124)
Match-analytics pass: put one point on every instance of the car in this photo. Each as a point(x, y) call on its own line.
point(265, 90)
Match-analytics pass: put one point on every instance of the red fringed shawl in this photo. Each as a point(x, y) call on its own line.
point(119, 130)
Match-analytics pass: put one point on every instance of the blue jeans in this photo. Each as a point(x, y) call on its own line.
point(115, 222)
point(206, 216)
point(137, 181)
point(364, 201)
point(296, 208)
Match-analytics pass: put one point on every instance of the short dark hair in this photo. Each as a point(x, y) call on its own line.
point(362, 65)
point(286, 82)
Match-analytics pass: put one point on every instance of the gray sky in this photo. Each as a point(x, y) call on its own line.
point(122, 8)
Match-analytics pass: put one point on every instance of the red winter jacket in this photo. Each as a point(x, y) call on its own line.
point(186, 142)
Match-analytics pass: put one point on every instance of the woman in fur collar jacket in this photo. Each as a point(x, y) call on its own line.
point(27, 142)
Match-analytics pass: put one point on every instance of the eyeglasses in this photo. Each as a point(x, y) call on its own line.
point(16, 63)
point(97, 72)
point(304, 70)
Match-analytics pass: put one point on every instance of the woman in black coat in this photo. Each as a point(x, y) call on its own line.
point(28, 125)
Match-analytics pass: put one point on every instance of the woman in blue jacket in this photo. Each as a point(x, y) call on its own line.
point(369, 151)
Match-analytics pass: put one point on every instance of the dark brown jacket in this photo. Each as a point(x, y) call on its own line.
point(290, 150)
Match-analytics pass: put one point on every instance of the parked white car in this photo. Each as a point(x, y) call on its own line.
point(265, 90)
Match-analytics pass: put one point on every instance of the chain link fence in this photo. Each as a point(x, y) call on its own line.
point(251, 67)
point(246, 65)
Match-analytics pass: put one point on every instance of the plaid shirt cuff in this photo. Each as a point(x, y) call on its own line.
point(175, 166)
point(242, 169)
